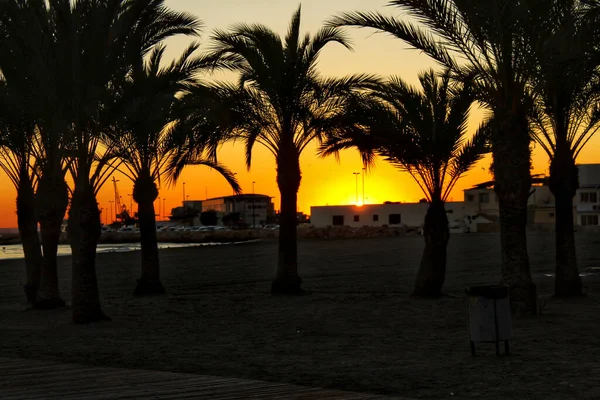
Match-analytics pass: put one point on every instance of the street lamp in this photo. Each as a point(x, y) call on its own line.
point(111, 208)
point(164, 200)
point(159, 213)
point(183, 194)
point(356, 174)
point(253, 208)
point(363, 178)
point(130, 203)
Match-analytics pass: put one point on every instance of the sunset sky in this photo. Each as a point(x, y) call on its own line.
point(324, 181)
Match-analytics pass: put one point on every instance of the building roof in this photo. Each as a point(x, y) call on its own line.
point(535, 179)
point(242, 196)
point(236, 197)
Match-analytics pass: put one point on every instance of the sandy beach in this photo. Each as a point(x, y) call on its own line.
point(358, 330)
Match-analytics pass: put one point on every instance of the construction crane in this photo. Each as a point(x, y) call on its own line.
point(121, 213)
point(117, 200)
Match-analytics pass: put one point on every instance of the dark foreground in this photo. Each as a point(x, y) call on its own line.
point(358, 331)
point(54, 380)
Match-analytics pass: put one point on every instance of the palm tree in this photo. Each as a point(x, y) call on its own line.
point(568, 115)
point(494, 40)
point(96, 46)
point(16, 158)
point(280, 102)
point(423, 133)
point(25, 65)
point(146, 142)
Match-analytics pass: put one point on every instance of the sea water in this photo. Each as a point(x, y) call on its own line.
point(15, 251)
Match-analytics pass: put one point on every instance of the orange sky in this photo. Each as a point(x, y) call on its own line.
point(324, 181)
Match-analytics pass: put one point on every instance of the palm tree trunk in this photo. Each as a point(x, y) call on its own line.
point(510, 148)
point(30, 239)
point(51, 204)
point(287, 281)
point(564, 184)
point(84, 231)
point(149, 283)
point(432, 271)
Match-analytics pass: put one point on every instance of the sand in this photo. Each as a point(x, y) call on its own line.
point(357, 331)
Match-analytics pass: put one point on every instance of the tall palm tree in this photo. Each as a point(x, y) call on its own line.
point(494, 40)
point(281, 102)
point(16, 159)
point(422, 132)
point(568, 115)
point(146, 142)
point(26, 65)
point(96, 46)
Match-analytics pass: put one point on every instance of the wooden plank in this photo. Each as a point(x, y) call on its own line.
point(26, 379)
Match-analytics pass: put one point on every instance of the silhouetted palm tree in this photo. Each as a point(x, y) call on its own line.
point(280, 103)
point(16, 159)
point(95, 46)
point(422, 132)
point(146, 142)
point(26, 64)
point(494, 40)
point(568, 115)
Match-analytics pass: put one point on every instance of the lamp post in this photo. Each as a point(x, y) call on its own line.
point(159, 213)
point(253, 210)
point(183, 194)
point(356, 174)
point(111, 208)
point(363, 178)
point(131, 203)
point(164, 201)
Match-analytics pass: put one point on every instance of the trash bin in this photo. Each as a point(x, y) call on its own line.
point(489, 316)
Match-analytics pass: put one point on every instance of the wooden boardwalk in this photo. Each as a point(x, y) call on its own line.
point(33, 379)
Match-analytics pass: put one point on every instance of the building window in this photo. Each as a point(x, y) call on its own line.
point(484, 197)
point(470, 198)
point(589, 197)
point(589, 220)
point(394, 219)
point(356, 218)
point(338, 220)
point(375, 217)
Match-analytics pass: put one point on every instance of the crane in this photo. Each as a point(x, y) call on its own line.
point(121, 213)
point(117, 197)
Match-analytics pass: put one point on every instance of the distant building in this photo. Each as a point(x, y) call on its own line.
point(588, 195)
point(388, 214)
point(478, 212)
point(255, 209)
point(586, 203)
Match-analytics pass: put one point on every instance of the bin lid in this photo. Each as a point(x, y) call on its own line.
point(489, 291)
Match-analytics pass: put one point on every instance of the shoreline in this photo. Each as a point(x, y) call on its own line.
point(235, 235)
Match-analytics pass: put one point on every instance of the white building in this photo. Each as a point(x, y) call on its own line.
point(389, 214)
point(484, 200)
point(588, 195)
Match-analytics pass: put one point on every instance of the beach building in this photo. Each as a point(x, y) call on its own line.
point(588, 195)
point(252, 209)
point(586, 204)
point(478, 212)
point(390, 214)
